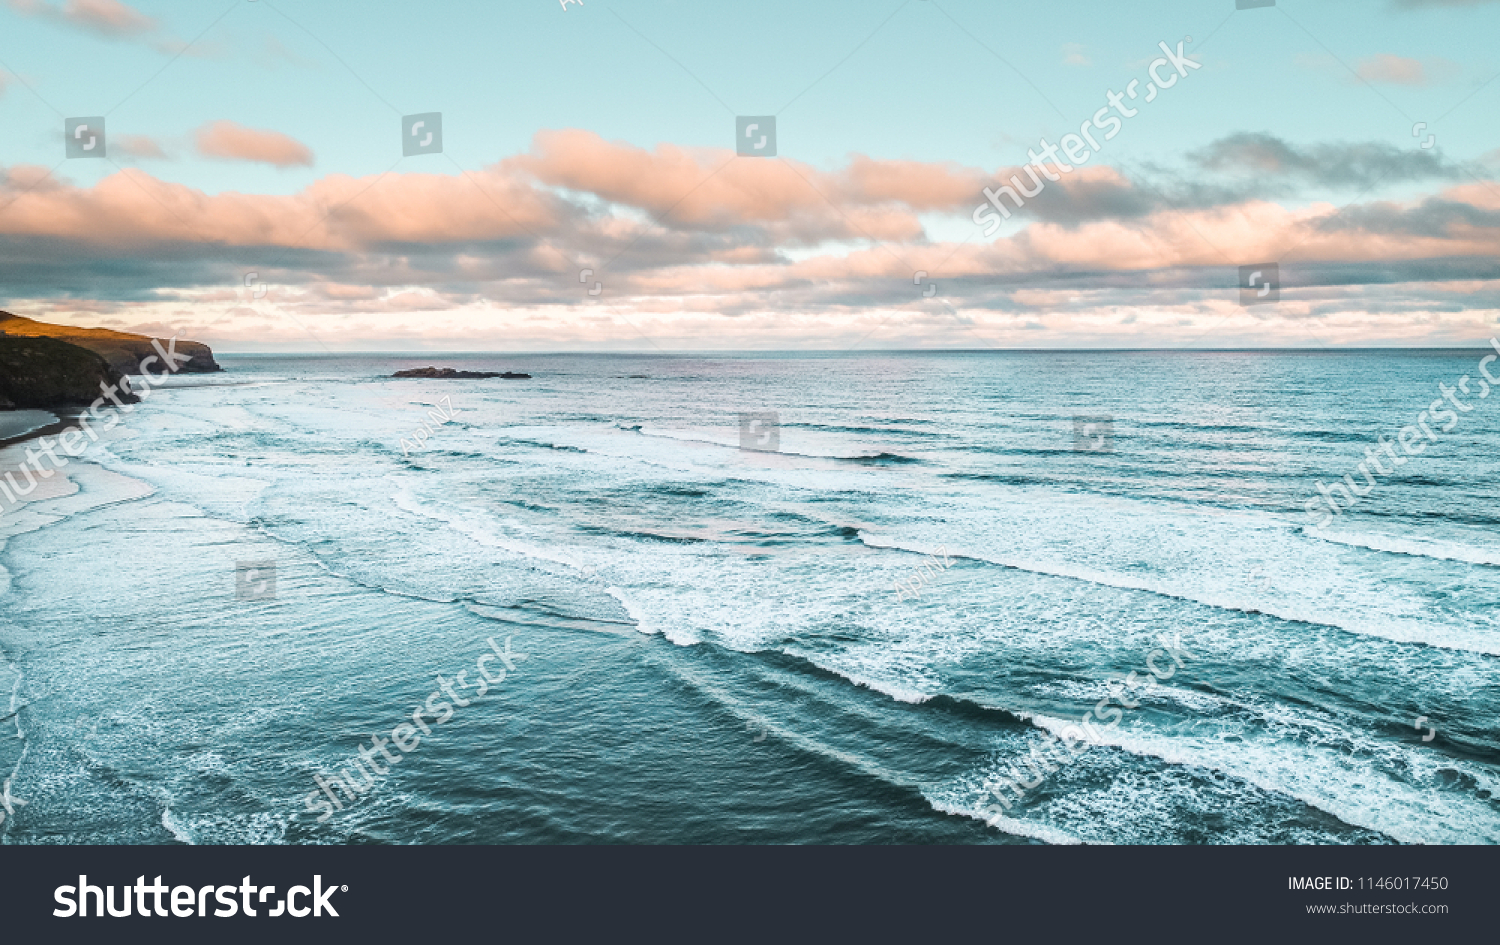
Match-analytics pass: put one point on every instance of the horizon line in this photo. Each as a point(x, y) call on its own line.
point(300, 352)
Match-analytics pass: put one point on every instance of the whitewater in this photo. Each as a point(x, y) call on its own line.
point(716, 651)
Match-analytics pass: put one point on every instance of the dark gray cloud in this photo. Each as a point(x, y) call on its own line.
point(1434, 217)
point(1074, 201)
point(1362, 164)
point(1231, 170)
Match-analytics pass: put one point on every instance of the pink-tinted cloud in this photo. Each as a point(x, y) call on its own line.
point(1073, 55)
point(132, 208)
point(755, 239)
point(920, 186)
point(108, 18)
point(882, 198)
point(228, 141)
point(1396, 70)
point(137, 146)
point(345, 292)
point(111, 19)
point(712, 189)
point(699, 186)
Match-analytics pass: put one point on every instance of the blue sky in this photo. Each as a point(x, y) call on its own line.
point(928, 86)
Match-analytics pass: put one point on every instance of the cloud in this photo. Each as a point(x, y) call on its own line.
point(1383, 68)
point(765, 244)
point(1396, 70)
point(113, 20)
point(228, 141)
point(1073, 55)
point(425, 213)
point(137, 146)
point(1338, 164)
point(107, 18)
point(711, 190)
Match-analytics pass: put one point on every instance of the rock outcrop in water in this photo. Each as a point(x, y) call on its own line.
point(124, 351)
point(43, 373)
point(449, 373)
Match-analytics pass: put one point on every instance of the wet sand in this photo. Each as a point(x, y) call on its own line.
point(16, 425)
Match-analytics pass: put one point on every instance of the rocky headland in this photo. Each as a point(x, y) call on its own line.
point(124, 351)
point(44, 373)
point(45, 366)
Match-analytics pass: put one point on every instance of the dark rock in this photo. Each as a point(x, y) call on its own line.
point(123, 350)
point(449, 373)
point(43, 373)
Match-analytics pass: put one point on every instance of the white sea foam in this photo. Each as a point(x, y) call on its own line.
point(1325, 766)
point(1046, 585)
point(1031, 830)
point(1233, 561)
point(642, 623)
point(1436, 549)
point(178, 831)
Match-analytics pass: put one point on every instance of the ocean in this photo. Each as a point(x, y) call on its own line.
point(929, 563)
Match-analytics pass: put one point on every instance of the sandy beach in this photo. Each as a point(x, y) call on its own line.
point(17, 428)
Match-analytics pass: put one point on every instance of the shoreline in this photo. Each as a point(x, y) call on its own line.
point(66, 418)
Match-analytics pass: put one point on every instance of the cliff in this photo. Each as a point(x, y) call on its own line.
point(45, 373)
point(123, 351)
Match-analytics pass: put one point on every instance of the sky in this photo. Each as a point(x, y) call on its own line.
point(254, 192)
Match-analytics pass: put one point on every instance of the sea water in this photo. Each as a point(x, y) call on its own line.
point(257, 571)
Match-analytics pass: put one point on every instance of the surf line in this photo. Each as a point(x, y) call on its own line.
point(1074, 737)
